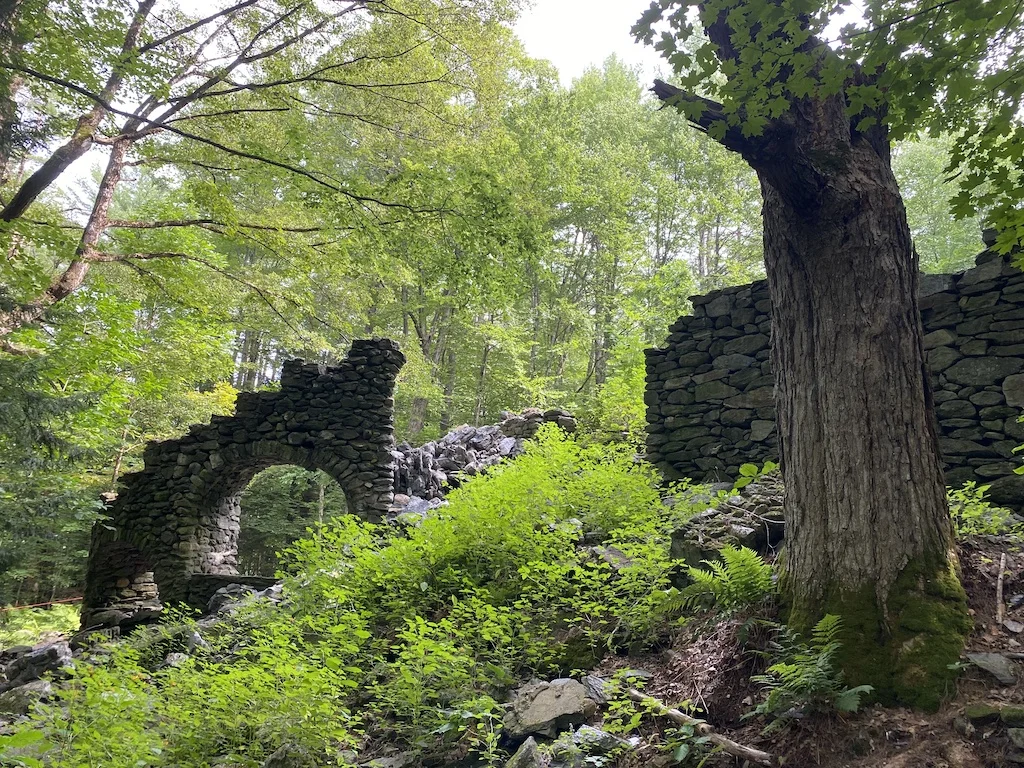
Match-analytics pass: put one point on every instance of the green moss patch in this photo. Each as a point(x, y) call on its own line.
point(907, 655)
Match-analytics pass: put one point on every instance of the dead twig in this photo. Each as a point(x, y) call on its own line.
point(1000, 608)
point(705, 730)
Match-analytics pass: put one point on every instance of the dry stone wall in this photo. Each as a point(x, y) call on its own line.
point(710, 389)
point(179, 516)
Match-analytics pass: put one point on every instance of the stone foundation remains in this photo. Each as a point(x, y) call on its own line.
point(710, 389)
point(178, 517)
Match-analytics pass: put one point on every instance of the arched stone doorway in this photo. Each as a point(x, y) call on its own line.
point(278, 507)
point(178, 518)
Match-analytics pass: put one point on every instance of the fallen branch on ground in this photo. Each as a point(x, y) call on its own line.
point(702, 728)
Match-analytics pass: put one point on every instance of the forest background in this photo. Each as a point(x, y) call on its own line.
point(522, 239)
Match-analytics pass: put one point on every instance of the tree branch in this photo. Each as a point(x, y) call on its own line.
point(711, 113)
point(81, 139)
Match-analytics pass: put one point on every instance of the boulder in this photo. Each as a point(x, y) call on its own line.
point(51, 657)
point(546, 708)
point(19, 701)
point(528, 756)
point(996, 665)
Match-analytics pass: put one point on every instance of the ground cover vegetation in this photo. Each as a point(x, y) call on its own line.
point(410, 634)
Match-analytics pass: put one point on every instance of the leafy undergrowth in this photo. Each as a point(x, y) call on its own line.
point(406, 640)
point(26, 626)
point(411, 637)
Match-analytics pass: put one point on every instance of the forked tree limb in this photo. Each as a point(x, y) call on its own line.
point(728, 745)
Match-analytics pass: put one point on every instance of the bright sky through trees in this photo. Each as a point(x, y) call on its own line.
point(575, 34)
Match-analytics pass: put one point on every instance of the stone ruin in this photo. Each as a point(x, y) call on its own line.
point(710, 388)
point(172, 533)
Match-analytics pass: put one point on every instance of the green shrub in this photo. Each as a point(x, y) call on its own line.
point(414, 633)
point(974, 516)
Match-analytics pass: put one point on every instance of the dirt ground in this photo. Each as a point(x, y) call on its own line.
point(707, 666)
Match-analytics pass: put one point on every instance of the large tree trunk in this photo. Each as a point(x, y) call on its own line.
point(868, 529)
point(869, 535)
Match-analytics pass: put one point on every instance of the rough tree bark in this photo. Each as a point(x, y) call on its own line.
point(868, 529)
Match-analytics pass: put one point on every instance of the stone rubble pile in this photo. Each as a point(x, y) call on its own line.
point(424, 474)
point(753, 518)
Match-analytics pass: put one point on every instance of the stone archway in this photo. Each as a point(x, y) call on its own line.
point(177, 519)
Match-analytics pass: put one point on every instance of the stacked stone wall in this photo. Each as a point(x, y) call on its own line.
point(180, 515)
point(710, 389)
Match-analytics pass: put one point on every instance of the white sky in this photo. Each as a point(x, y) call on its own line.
point(575, 34)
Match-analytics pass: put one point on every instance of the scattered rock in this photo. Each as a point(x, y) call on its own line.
point(528, 756)
point(424, 474)
point(175, 659)
point(1016, 736)
point(19, 701)
point(996, 665)
point(546, 708)
point(598, 689)
point(594, 741)
point(51, 657)
point(1012, 717)
point(289, 756)
point(981, 714)
point(752, 519)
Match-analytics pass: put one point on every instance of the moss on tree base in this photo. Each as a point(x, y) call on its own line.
point(904, 650)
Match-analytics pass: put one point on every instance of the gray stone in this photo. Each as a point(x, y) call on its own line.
point(928, 285)
point(50, 658)
point(939, 338)
point(733, 362)
point(1013, 390)
point(736, 417)
point(1007, 491)
point(714, 390)
point(940, 358)
point(594, 741)
point(718, 307)
point(983, 371)
point(755, 398)
point(760, 430)
point(527, 756)
point(746, 345)
point(19, 701)
point(956, 409)
point(598, 689)
point(547, 708)
point(989, 270)
point(996, 665)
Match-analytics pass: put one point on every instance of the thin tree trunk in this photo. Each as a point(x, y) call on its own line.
point(121, 451)
point(82, 138)
point(449, 394)
point(74, 275)
point(417, 416)
point(478, 411)
point(11, 43)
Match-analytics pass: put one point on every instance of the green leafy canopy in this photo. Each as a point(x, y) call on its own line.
point(945, 67)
